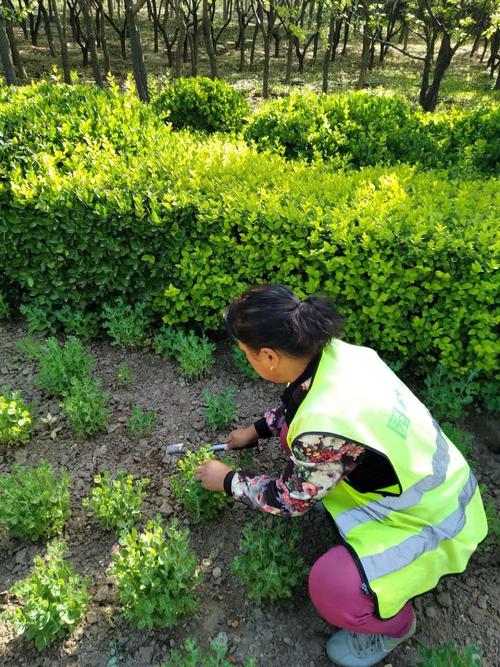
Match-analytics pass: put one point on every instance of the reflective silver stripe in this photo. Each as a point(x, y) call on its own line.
point(403, 554)
point(379, 509)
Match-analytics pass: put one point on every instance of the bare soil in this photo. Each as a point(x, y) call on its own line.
point(462, 609)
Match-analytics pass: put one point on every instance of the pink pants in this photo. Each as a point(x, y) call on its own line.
point(335, 591)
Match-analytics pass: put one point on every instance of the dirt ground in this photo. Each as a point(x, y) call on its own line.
point(463, 609)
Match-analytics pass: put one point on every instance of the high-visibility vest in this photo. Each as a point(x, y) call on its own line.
point(406, 537)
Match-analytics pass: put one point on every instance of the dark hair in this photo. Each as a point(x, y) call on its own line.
point(273, 316)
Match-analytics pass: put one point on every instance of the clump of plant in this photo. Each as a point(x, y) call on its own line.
point(78, 322)
point(85, 406)
point(271, 564)
point(241, 363)
point(31, 347)
point(202, 504)
point(117, 502)
point(463, 440)
point(194, 354)
point(123, 375)
point(220, 409)
point(52, 599)
point(126, 325)
point(15, 419)
point(446, 395)
point(141, 423)
point(449, 656)
point(40, 316)
point(492, 517)
point(156, 574)
point(61, 364)
point(192, 656)
point(4, 308)
point(34, 503)
point(203, 104)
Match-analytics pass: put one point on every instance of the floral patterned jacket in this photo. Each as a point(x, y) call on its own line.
point(316, 462)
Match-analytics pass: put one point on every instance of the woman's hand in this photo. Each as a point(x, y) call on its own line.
point(242, 437)
point(211, 475)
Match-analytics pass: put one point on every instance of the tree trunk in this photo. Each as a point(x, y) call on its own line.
point(443, 60)
point(328, 53)
point(208, 38)
point(89, 28)
point(289, 59)
point(346, 33)
point(138, 65)
point(6, 54)
point(254, 44)
point(16, 56)
point(365, 59)
point(181, 25)
point(61, 32)
point(48, 30)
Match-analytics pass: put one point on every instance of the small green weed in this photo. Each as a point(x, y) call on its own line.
point(448, 656)
point(15, 419)
point(31, 347)
point(53, 598)
point(4, 308)
point(78, 322)
point(463, 440)
point(141, 423)
point(194, 354)
point(156, 574)
point(33, 502)
point(193, 657)
point(271, 564)
point(126, 325)
point(85, 406)
point(242, 364)
point(203, 505)
point(60, 364)
point(116, 503)
point(221, 408)
point(123, 375)
point(493, 519)
point(446, 395)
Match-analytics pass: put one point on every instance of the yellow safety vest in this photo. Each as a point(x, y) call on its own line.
point(406, 537)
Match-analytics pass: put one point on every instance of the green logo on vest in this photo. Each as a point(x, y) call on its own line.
point(399, 422)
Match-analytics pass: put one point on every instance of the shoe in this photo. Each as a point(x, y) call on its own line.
point(355, 649)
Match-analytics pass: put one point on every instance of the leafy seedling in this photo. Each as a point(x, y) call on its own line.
point(31, 347)
point(15, 419)
point(123, 375)
point(446, 395)
point(462, 440)
point(156, 574)
point(78, 322)
point(52, 599)
point(86, 407)
point(126, 325)
point(192, 656)
point(242, 364)
point(449, 656)
point(116, 502)
point(194, 354)
point(40, 318)
point(61, 364)
point(202, 504)
point(141, 423)
point(33, 502)
point(220, 409)
point(271, 563)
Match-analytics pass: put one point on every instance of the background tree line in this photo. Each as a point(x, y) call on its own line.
point(303, 31)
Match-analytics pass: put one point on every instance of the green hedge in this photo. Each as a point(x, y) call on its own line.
point(186, 224)
point(360, 129)
point(198, 103)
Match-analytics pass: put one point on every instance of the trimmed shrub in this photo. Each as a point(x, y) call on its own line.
point(199, 103)
point(360, 129)
point(188, 224)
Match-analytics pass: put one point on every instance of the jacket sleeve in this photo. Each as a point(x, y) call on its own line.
point(317, 463)
point(271, 423)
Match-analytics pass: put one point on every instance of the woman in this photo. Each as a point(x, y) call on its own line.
point(404, 501)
